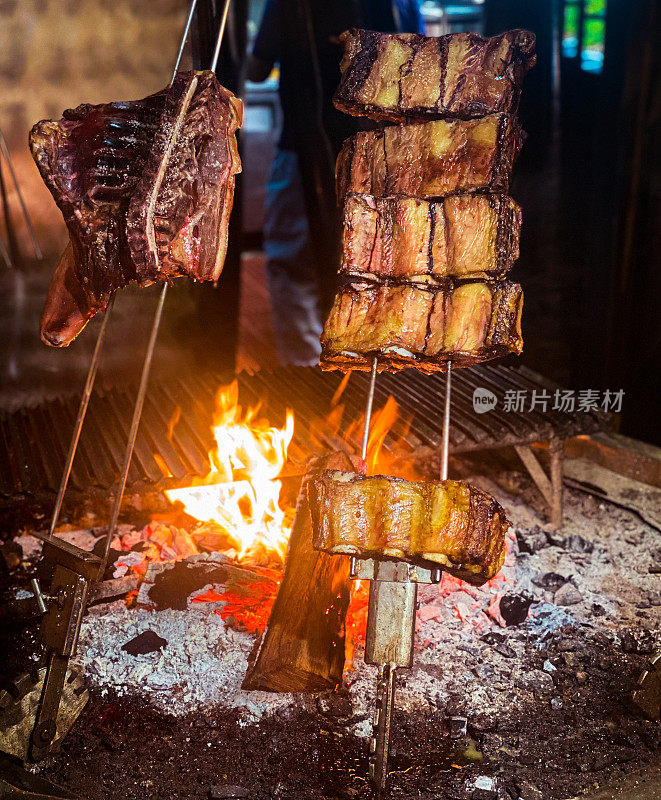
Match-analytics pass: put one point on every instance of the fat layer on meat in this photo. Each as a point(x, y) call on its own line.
point(405, 238)
point(454, 525)
point(430, 159)
point(421, 326)
point(410, 76)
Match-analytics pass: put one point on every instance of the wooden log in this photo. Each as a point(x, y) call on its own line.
point(302, 649)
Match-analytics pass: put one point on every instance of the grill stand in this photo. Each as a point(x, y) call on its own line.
point(391, 611)
point(76, 569)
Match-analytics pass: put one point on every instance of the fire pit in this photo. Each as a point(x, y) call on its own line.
point(521, 686)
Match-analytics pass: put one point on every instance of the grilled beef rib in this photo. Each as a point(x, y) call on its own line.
point(102, 163)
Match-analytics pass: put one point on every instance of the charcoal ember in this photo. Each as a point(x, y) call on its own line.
point(498, 642)
point(335, 705)
point(146, 642)
point(578, 544)
point(638, 640)
point(551, 581)
point(531, 540)
point(567, 595)
point(458, 726)
point(514, 608)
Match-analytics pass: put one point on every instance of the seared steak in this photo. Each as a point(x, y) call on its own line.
point(145, 188)
point(454, 525)
point(178, 215)
point(421, 326)
point(410, 76)
point(431, 159)
point(91, 160)
point(405, 238)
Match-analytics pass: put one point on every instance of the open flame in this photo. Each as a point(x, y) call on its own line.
point(241, 493)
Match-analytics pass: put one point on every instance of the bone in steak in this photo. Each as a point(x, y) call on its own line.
point(431, 159)
point(421, 326)
point(454, 525)
point(96, 160)
point(178, 215)
point(403, 237)
point(410, 76)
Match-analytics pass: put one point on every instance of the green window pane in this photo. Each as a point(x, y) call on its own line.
point(570, 31)
point(592, 46)
point(597, 7)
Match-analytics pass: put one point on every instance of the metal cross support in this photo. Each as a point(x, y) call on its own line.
point(391, 611)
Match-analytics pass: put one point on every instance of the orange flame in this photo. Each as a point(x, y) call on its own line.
point(241, 493)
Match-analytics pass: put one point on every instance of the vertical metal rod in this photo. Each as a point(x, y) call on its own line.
point(368, 410)
point(184, 36)
point(33, 236)
point(221, 33)
point(80, 419)
point(135, 422)
point(94, 364)
point(446, 423)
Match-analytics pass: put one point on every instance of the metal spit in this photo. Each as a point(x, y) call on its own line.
point(76, 569)
point(391, 610)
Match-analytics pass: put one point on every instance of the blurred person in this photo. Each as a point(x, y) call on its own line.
point(301, 291)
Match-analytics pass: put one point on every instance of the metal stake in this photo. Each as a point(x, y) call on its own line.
point(146, 368)
point(33, 236)
point(368, 409)
point(94, 363)
point(80, 419)
point(446, 423)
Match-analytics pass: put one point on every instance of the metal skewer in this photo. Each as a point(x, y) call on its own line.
point(445, 453)
point(94, 363)
point(146, 367)
point(368, 409)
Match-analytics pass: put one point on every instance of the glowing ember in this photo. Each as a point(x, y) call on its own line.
point(241, 492)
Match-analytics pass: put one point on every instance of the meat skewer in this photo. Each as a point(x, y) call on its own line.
point(94, 363)
point(146, 367)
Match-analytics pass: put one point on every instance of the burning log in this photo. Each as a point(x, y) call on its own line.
point(303, 647)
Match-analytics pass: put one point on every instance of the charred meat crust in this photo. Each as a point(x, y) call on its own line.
point(98, 163)
point(406, 324)
point(178, 215)
point(410, 76)
point(91, 160)
point(464, 236)
point(451, 524)
point(430, 159)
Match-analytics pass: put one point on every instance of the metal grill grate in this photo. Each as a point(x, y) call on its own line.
point(34, 441)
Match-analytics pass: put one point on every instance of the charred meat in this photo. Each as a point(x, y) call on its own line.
point(406, 238)
point(454, 525)
point(145, 188)
point(178, 215)
point(431, 159)
point(421, 326)
point(410, 76)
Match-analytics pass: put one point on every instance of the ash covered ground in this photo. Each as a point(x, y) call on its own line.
point(538, 708)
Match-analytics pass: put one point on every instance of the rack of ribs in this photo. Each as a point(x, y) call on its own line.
point(421, 325)
point(431, 159)
point(410, 76)
point(451, 524)
point(134, 179)
point(405, 238)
